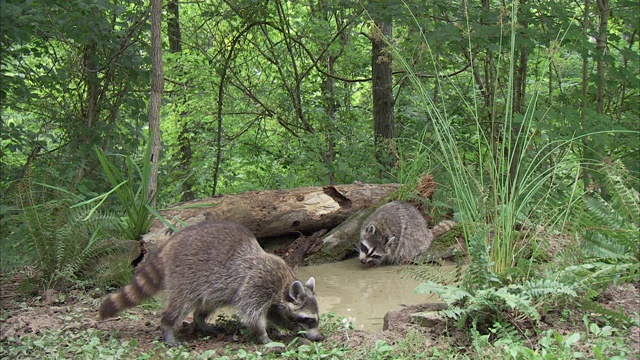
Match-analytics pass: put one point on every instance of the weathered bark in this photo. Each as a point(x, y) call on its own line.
point(276, 212)
point(601, 50)
point(302, 247)
point(157, 85)
point(341, 242)
point(173, 26)
point(184, 137)
point(382, 84)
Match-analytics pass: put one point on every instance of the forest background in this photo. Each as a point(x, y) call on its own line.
point(525, 112)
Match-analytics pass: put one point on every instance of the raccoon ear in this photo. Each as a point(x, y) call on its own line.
point(390, 240)
point(311, 284)
point(296, 291)
point(371, 229)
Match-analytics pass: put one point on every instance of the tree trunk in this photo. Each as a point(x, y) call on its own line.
point(173, 26)
point(601, 49)
point(586, 172)
point(601, 52)
point(157, 83)
point(276, 212)
point(184, 140)
point(383, 101)
point(328, 90)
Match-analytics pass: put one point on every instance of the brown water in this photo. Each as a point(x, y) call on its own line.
point(349, 290)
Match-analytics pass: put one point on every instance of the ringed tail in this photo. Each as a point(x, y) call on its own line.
point(442, 227)
point(146, 282)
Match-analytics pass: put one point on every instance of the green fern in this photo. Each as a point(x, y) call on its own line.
point(610, 227)
point(501, 306)
point(591, 278)
point(59, 242)
point(547, 287)
point(479, 274)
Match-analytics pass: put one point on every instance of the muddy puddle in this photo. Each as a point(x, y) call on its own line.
point(364, 295)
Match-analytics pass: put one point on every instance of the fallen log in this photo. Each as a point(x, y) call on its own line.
point(274, 213)
point(302, 247)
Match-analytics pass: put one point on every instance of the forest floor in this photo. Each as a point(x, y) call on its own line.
point(75, 312)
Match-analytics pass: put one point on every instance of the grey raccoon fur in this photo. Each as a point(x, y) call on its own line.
point(212, 264)
point(396, 233)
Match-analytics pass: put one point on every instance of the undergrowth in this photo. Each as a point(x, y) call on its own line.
point(56, 244)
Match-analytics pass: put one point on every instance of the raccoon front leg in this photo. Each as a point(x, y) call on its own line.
point(258, 326)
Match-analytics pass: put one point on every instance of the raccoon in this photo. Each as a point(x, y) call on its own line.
point(211, 264)
point(396, 233)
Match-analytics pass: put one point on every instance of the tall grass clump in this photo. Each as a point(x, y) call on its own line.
point(511, 187)
point(131, 189)
point(502, 182)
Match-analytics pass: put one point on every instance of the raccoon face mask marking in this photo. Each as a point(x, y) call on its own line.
point(299, 311)
point(375, 246)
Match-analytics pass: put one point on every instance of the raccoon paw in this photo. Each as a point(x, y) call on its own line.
point(208, 330)
point(169, 339)
point(275, 350)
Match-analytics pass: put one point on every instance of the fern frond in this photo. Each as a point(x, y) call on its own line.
point(599, 245)
point(592, 277)
point(547, 287)
point(479, 274)
point(602, 214)
point(625, 198)
point(610, 228)
point(58, 242)
point(447, 293)
point(453, 312)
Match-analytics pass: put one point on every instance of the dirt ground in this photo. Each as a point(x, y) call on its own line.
point(77, 311)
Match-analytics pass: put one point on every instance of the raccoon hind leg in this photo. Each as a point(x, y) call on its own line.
point(174, 312)
point(200, 316)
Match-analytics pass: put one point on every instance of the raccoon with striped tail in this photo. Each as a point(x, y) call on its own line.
point(212, 264)
point(397, 233)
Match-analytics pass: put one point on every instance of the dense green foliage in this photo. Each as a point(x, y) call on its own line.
point(247, 96)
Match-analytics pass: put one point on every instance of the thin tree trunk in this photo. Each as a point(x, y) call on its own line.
point(157, 84)
point(601, 48)
point(383, 101)
point(330, 107)
point(92, 82)
point(586, 172)
point(173, 26)
point(184, 141)
point(601, 51)
point(519, 99)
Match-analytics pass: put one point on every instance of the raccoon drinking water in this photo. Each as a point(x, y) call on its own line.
point(397, 233)
point(212, 264)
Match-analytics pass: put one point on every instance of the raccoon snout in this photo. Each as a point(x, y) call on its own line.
point(314, 335)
